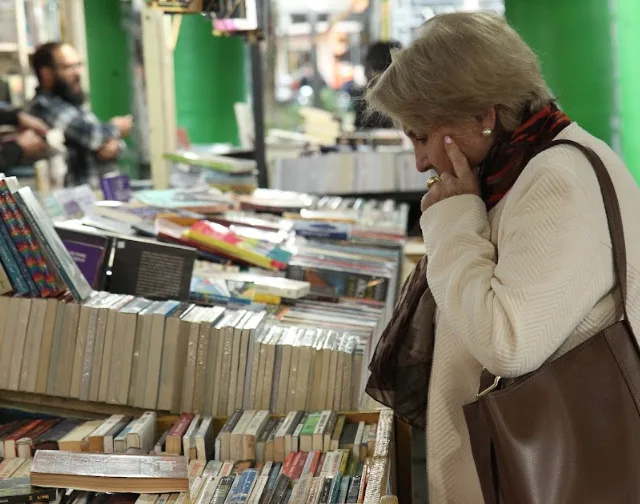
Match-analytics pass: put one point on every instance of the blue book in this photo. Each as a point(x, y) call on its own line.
point(240, 492)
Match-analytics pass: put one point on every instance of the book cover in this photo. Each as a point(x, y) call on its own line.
point(223, 239)
point(13, 265)
point(213, 291)
point(150, 269)
point(28, 247)
point(90, 251)
point(54, 250)
point(116, 186)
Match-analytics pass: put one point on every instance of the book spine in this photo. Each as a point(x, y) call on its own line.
point(42, 277)
point(42, 495)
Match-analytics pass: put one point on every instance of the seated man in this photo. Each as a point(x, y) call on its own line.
point(28, 144)
point(60, 102)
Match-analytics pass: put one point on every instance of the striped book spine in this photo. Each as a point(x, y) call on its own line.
point(7, 234)
point(21, 232)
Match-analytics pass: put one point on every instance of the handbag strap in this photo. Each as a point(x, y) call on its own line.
point(614, 217)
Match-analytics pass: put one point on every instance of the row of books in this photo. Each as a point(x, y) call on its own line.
point(180, 357)
point(366, 171)
point(246, 435)
point(322, 444)
point(315, 478)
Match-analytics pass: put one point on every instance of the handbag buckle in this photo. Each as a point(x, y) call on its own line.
point(490, 388)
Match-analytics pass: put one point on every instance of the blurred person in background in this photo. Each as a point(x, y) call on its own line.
point(92, 145)
point(376, 62)
point(28, 143)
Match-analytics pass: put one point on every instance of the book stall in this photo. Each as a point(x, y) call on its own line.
point(217, 341)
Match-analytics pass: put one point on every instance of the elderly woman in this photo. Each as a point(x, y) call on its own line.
point(519, 254)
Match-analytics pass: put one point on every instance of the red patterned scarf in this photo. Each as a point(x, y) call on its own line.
point(401, 365)
point(512, 152)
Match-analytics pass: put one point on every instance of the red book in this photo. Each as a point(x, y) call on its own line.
point(288, 463)
point(315, 462)
point(10, 450)
point(298, 465)
point(320, 464)
point(174, 438)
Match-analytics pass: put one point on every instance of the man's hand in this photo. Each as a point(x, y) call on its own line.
point(29, 122)
point(109, 151)
point(124, 124)
point(462, 181)
point(32, 144)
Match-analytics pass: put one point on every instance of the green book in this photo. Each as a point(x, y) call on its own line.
point(311, 424)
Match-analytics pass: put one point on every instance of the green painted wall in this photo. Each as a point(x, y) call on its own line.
point(574, 43)
point(627, 26)
point(108, 55)
point(210, 77)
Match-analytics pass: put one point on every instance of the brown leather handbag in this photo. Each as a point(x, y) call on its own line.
point(569, 432)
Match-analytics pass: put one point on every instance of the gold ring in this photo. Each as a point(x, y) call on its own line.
point(432, 180)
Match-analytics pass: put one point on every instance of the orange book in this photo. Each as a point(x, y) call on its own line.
point(288, 463)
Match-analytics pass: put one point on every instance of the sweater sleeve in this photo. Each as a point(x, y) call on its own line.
point(512, 308)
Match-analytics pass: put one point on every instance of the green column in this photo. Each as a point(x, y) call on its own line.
point(573, 40)
point(109, 68)
point(210, 77)
point(108, 55)
point(627, 27)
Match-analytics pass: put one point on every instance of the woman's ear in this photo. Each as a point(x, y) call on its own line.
point(488, 119)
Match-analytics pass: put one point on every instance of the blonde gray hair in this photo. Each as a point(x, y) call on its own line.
point(459, 67)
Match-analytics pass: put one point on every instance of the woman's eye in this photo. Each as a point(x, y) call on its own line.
point(422, 140)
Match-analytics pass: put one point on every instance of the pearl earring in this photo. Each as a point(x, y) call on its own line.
point(487, 132)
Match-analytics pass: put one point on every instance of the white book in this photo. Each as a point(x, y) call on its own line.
point(257, 424)
point(189, 438)
point(212, 469)
point(107, 425)
point(143, 433)
point(120, 441)
point(237, 435)
point(204, 439)
point(358, 440)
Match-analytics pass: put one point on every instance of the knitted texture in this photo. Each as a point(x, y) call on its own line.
point(518, 286)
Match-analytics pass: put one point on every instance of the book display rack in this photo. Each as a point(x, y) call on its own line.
point(210, 397)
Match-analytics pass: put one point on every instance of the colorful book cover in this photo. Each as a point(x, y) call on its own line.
point(56, 252)
point(212, 290)
point(221, 238)
point(13, 265)
point(22, 240)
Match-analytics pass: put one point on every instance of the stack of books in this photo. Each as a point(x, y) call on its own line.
point(221, 172)
point(386, 170)
point(178, 357)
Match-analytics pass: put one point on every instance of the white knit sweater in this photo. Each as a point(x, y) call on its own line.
point(519, 286)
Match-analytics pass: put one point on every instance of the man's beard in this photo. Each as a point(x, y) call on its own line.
point(64, 91)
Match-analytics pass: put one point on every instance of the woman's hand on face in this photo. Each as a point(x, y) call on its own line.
point(461, 181)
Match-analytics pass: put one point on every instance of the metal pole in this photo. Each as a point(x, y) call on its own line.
point(257, 91)
point(315, 79)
